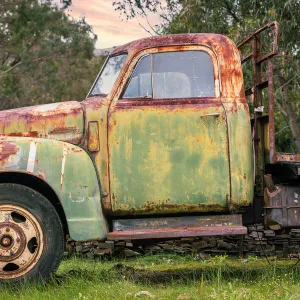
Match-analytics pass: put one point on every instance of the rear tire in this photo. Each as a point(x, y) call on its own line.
point(31, 235)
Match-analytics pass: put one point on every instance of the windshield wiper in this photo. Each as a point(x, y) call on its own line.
point(94, 95)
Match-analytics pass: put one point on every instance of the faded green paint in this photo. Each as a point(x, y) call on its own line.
point(69, 171)
point(168, 159)
point(241, 154)
point(96, 109)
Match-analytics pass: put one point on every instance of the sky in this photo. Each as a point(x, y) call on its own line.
point(107, 23)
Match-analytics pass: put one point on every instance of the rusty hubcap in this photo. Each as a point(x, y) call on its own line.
point(21, 241)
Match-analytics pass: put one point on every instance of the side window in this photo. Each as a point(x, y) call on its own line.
point(108, 76)
point(140, 83)
point(182, 74)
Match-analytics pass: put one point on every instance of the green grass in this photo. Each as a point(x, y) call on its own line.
point(167, 277)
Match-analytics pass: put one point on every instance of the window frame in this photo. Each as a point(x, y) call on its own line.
point(130, 72)
point(102, 69)
point(131, 76)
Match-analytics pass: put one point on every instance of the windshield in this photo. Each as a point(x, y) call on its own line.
point(108, 76)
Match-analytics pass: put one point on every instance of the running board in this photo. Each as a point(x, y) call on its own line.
point(175, 233)
point(176, 227)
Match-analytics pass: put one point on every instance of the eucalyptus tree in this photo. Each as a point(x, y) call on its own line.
point(45, 55)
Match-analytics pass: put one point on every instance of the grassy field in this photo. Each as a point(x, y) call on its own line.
point(167, 277)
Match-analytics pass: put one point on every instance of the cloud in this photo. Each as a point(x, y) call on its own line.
point(107, 24)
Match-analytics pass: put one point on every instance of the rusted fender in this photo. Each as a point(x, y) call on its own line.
point(69, 171)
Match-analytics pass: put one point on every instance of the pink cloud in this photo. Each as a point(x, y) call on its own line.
point(107, 24)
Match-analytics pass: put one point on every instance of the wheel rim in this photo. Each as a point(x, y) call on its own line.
point(21, 241)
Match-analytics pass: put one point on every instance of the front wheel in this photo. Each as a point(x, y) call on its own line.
point(31, 235)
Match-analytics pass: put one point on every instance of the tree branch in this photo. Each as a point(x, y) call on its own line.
point(34, 60)
point(135, 16)
point(281, 109)
point(10, 69)
point(282, 129)
point(149, 22)
point(231, 12)
point(285, 84)
point(143, 26)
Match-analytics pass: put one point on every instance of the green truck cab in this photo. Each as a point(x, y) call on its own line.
point(162, 147)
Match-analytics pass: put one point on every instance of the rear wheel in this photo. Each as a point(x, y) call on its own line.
point(31, 235)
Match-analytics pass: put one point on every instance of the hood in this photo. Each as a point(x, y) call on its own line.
point(59, 121)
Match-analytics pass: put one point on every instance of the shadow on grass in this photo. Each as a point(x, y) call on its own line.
point(183, 275)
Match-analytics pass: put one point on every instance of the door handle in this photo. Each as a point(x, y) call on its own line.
point(210, 115)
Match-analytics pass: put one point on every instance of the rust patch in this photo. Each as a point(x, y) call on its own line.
point(286, 157)
point(42, 176)
point(176, 232)
point(64, 130)
point(7, 150)
point(93, 103)
point(177, 222)
point(178, 103)
point(239, 206)
point(282, 206)
point(76, 149)
point(176, 40)
point(22, 134)
point(62, 179)
point(166, 207)
point(60, 121)
point(258, 84)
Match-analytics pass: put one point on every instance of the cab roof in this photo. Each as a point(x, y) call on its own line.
point(228, 56)
point(210, 39)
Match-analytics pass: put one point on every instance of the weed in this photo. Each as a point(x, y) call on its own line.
point(252, 258)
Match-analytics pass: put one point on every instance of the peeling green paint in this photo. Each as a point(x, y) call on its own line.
point(70, 173)
point(168, 155)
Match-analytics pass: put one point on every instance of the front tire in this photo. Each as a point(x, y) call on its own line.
point(31, 235)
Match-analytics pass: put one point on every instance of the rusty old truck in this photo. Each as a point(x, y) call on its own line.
point(164, 146)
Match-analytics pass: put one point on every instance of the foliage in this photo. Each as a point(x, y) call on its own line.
point(237, 19)
point(130, 9)
point(45, 56)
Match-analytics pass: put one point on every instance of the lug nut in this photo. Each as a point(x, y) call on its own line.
point(6, 241)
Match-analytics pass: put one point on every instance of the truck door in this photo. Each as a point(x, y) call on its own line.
point(167, 136)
